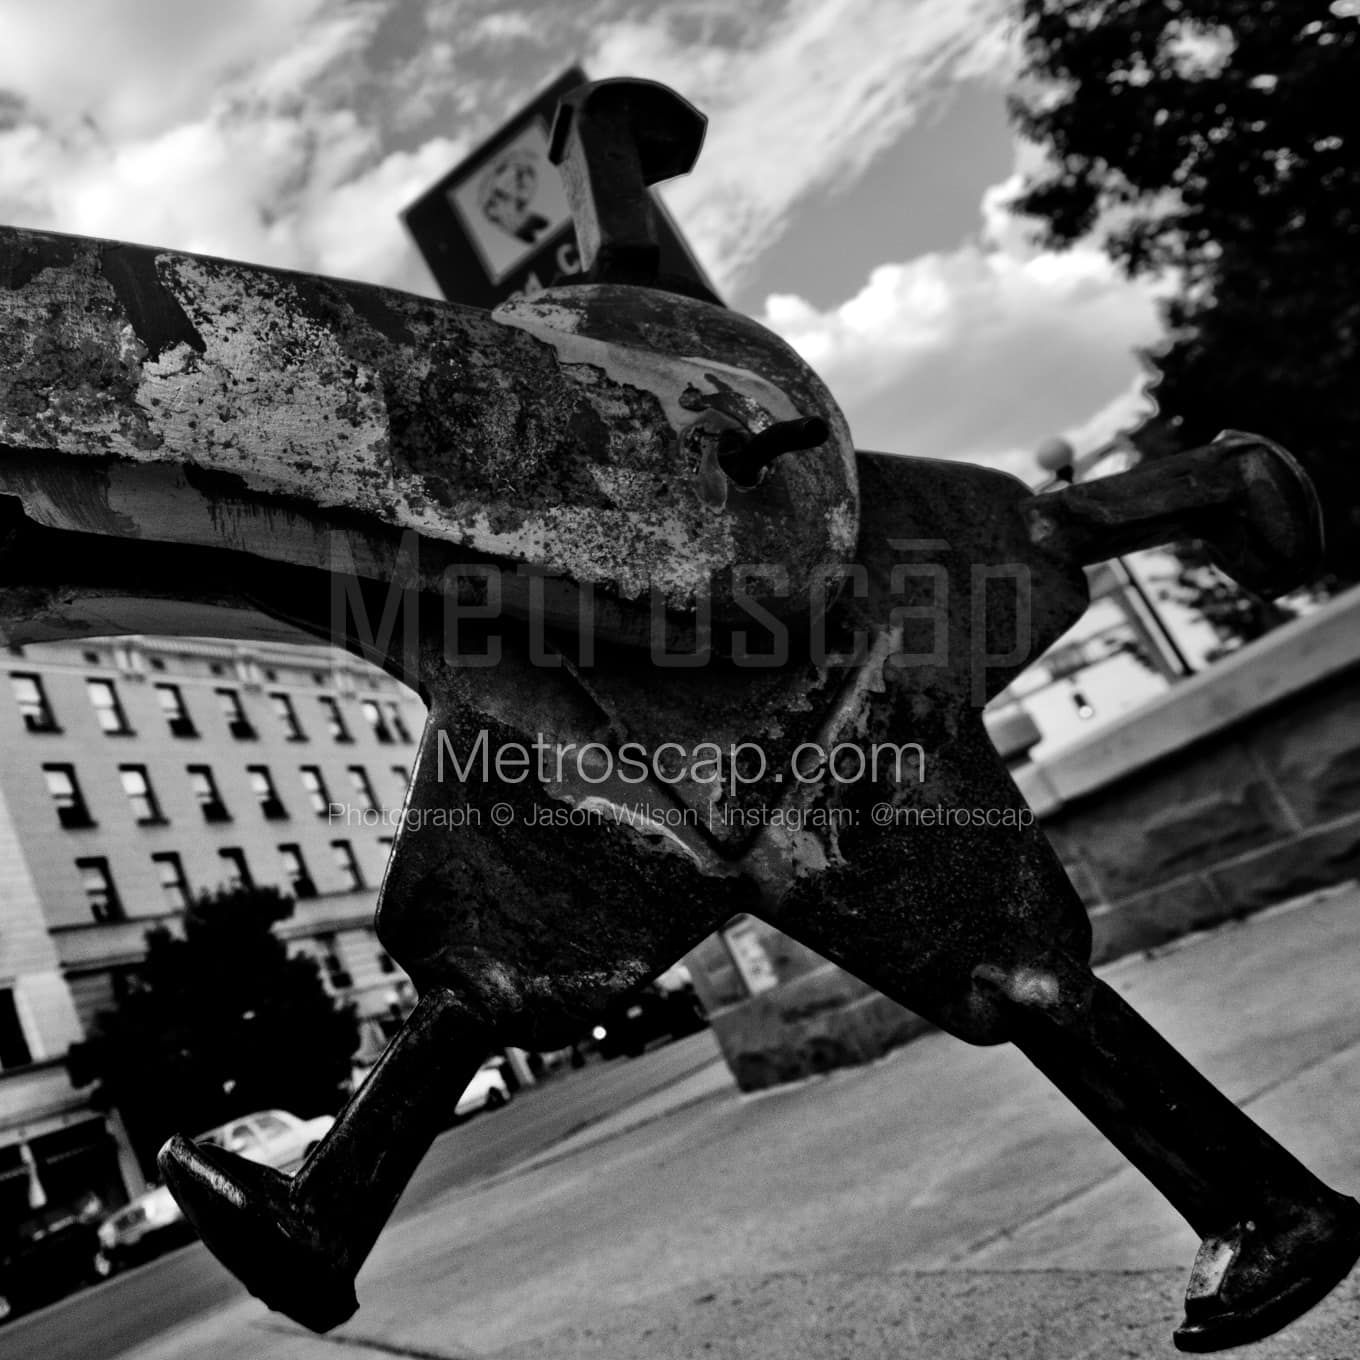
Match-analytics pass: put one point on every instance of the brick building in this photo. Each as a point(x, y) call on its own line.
point(136, 773)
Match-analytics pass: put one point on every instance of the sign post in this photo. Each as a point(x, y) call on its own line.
point(498, 226)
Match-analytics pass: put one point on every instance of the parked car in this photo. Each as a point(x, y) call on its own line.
point(488, 1090)
point(642, 1018)
point(148, 1225)
point(273, 1137)
point(49, 1255)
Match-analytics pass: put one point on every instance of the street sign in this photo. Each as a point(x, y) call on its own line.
point(751, 957)
point(497, 225)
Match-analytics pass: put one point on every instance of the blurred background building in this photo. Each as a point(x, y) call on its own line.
point(137, 773)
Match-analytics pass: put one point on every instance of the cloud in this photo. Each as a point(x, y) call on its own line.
point(291, 132)
point(303, 193)
point(984, 351)
point(137, 67)
point(257, 130)
point(799, 103)
point(268, 162)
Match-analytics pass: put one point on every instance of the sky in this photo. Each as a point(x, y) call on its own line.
point(851, 193)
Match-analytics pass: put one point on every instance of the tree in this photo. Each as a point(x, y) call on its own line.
point(219, 1023)
point(1217, 142)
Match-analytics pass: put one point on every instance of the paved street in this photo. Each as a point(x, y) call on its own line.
point(944, 1203)
point(138, 1307)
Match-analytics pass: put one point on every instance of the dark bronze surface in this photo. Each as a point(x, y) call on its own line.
point(835, 600)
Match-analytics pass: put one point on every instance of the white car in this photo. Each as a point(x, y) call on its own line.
point(149, 1224)
point(273, 1137)
point(486, 1091)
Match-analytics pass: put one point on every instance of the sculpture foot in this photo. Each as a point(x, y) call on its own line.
point(242, 1211)
point(1254, 1279)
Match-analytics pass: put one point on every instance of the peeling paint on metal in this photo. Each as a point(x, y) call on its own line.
point(555, 448)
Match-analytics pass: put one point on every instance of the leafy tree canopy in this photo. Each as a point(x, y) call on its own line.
point(219, 1023)
point(1219, 141)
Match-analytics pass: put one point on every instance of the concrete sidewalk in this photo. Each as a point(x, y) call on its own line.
point(943, 1203)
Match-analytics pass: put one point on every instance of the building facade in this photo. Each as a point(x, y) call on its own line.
point(138, 773)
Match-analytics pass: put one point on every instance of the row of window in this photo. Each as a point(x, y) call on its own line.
point(336, 972)
point(73, 812)
point(383, 716)
point(106, 905)
point(246, 667)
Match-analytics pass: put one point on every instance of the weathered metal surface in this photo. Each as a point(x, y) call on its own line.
point(610, 140)
point(590, 886)
point(1248, 499)
point(522, 436)
point(584, 433)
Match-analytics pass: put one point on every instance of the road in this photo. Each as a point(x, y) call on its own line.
point(121, 1313)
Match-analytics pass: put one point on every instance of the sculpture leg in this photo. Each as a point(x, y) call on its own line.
point(1275, 1238)
point(983, 934)
point(297, 1242)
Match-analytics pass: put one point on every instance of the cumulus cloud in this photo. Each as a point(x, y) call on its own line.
point(800, 102)
point(984, 351)
point(258, 129)
point(247, 148)
point(137, 67)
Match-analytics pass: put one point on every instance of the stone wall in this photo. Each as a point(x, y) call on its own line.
point(1234, 790)
point(805, 1016)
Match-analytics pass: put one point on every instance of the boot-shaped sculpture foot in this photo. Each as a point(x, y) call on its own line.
point(277, 1249)
point(1291, 1238)
point(1258, 1277)
point(297, 1243)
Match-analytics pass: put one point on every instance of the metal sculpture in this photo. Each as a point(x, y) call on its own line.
point(619, 516)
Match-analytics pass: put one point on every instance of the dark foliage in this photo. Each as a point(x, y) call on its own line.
point(1219, 140)
point(220, 1023)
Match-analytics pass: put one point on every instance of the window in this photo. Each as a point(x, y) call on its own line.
point(335, 721)
point(287, 715)
point(61, 784)
point(245, 1142)
point(172, 705)
point(173, 883)
point(265, 793)
point(234, 863)
point(156, 663)
point(296, 869)
point(316, 790)
point(205, 792)
point(14, 1050)
point(376, 721)
point(336, 971)
point(347, 864)
point(394, 718)
point(237, 722)
point(363, 790)
point(385, 963)
point(33, 705)
point(99, 890)
point(138, 789)
point(403, 777)
point(107, 709)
